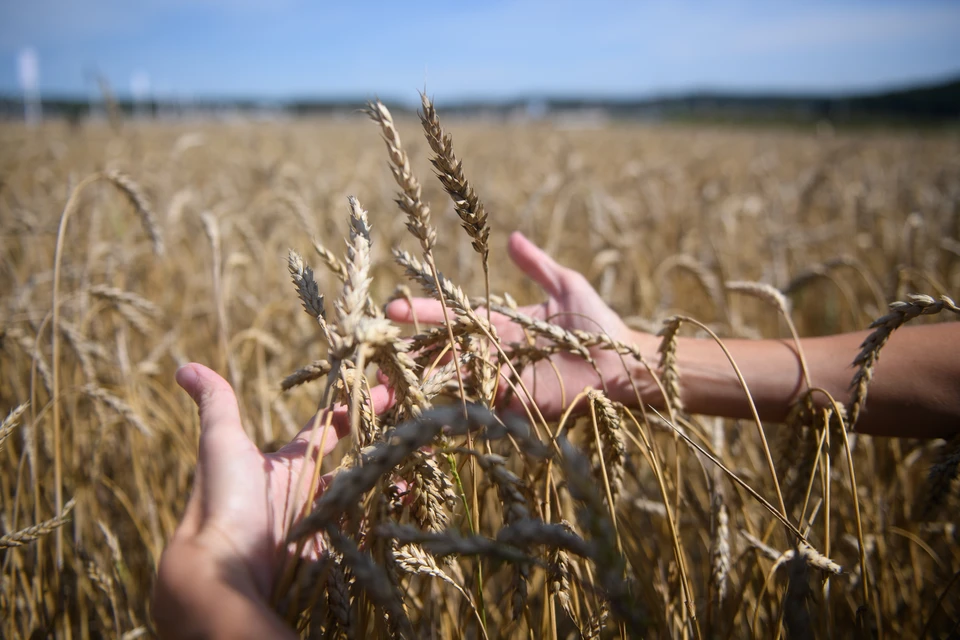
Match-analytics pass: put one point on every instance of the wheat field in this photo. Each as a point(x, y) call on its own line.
point(174, 248)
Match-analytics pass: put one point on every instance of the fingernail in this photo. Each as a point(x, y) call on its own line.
point(186, 377)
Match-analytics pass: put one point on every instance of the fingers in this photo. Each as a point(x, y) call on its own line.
point(536, 264)
point(427, 311)
point(382, 398)
point(220, 425)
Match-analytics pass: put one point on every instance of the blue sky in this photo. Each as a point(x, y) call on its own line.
point(461, 50)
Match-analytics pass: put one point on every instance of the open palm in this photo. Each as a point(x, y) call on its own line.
point(242, 498)
point(572, 303)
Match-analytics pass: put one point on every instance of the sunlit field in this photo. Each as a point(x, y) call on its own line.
point(175, 249)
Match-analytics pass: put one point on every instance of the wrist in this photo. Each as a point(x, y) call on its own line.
point(628, 378)
point(200, 593)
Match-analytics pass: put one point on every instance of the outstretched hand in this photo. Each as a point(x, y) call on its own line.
point(235, 522)
point(572, 303)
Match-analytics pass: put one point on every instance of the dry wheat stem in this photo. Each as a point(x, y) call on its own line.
point(733, 476)
point(654, 457)
point(753, 409)
point(856, 500)
point(593, 516)
point(135, 195)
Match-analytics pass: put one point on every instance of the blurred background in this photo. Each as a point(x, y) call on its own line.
point(845, 60)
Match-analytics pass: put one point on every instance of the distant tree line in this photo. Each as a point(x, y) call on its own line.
point(939, 103)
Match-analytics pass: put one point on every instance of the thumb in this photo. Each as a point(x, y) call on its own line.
point(220, 425)
point(536, 264)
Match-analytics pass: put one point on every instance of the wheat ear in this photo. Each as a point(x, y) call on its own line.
point(306, 284)
point(940, 479)
point(313, 371)
point(332, 262)
point(409, 199)
point(141, 204)
point(668, 363)
point(11, 421)
point(29, 534)
point(883, 328)
point(411, 203)
point(473, 217)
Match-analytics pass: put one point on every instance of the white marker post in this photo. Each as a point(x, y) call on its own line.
point(28, 66)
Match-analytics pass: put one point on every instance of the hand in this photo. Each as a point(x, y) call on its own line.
point(572, 304)
point(233, 530)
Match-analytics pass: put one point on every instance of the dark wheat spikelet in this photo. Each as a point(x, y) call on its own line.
point(450, 172)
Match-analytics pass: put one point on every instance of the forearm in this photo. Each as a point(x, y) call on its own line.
point(197, 597)
point(915, 389)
